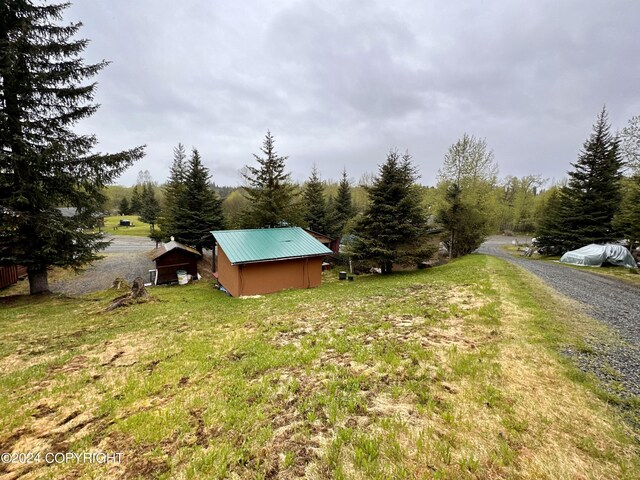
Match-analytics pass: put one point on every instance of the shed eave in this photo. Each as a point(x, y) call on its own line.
point(265, 260)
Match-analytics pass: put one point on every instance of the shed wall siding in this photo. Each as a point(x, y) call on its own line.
point(268, 277)
point(173, 261)
point(228, 274)
point(8, 275)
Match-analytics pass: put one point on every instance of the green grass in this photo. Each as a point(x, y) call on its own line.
point(139, 229)
point(450, 372)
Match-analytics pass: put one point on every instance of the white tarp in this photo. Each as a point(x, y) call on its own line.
point(595, 255)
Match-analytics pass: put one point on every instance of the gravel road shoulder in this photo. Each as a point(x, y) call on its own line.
point(101, 274)
point(610, 301)
point(126, 257)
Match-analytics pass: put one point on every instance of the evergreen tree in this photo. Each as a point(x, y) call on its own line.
point(269, 190)
point(43, 162)
point(174, 189)
point(150, 207)
point(124, 206)
point(464, 223)
point(315, 215)
point(136, 200)
point(588, 203)
point(199, 207)
point(550, 236)
point(342, 209)
point(392, 229)
point(157, 236)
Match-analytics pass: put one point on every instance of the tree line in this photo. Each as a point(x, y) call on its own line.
point(397, 224)
point(401, 219)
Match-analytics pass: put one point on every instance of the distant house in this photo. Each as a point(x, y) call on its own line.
point(331, 243)
point(259, 261)
point(69, 212)
point(173, 256)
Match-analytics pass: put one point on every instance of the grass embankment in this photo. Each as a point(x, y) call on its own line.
point(444, 373)
point(139, 229)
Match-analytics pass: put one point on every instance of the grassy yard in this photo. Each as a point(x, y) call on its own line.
point(139, 229)
point(450, 372)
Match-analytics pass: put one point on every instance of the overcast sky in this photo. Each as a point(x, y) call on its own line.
point(339, 83)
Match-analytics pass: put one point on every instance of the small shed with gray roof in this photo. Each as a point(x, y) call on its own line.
point(173, 256)
point(259, 261)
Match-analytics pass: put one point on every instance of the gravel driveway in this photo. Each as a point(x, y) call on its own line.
point(126, 257)
point(606, 299)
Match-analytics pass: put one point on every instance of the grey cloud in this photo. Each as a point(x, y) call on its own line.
point(347, 64)
point(341, 82)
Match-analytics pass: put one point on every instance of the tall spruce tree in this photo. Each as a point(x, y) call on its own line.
point(149, 206)
point(173, 190)
point(591, 198)
point(272, 197)
point(44, 164)
point(199, 207)
point(393, 227)
point(135, 206)
point(315, 215)
point(342, 209)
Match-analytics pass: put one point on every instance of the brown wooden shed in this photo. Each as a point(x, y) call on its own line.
point(259, 261)
point(174, 256)
point(331, 243)
point(10, 274)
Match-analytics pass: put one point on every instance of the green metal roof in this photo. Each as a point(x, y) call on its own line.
point(267, 244)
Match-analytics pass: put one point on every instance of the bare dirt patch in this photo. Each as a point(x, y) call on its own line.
point(19, 361)
point(298, 429)
point(123, 351)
